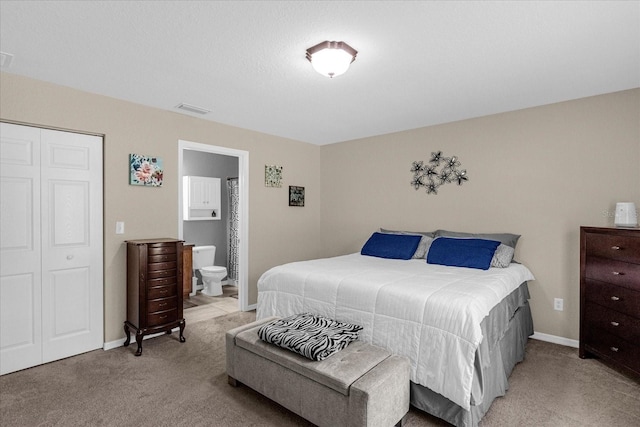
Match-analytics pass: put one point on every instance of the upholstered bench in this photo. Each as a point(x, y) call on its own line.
point(361, 385)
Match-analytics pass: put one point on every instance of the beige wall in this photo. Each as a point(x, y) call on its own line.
point(277, 233)
point(540, 172)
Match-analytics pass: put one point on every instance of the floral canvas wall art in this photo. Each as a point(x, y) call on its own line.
point(145, 170)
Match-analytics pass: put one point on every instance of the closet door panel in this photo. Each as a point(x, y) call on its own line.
point(20, 327)
point(20, 250)
point(72, 242)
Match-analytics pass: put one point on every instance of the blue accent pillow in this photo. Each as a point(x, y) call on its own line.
point(393, 246)
point(471, 253)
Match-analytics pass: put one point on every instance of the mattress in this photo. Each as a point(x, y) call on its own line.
point(431, 314)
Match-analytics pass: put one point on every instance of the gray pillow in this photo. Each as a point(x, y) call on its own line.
point(422, 233)
point(502, 256)
point(423, 246)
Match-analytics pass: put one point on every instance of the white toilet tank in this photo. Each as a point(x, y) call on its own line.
point(203, 256)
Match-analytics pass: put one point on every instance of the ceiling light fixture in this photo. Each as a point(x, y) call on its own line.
point(331, 58)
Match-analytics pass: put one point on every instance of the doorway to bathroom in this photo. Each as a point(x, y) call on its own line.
point(231, 167)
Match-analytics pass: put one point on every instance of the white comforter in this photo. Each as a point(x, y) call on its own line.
point(429, 313)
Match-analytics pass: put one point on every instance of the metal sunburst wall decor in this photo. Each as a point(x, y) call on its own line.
point(428, 175)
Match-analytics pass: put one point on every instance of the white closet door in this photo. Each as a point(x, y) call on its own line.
point(67, 230)
point(72, 290)
point(20, 257)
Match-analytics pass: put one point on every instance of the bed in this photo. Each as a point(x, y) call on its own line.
point(463, 329)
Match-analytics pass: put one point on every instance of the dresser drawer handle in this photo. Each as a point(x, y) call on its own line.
point(164, 303)
point(617, 273)
point(615, 248)
point(614, 298)
point(615, 324)
point(615, 349)
point(165, 316)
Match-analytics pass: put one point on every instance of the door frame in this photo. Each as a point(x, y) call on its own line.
point(243, 231)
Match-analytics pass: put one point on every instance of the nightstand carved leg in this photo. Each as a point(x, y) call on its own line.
point(128, 334)
point(139, 337)
point(182, 326)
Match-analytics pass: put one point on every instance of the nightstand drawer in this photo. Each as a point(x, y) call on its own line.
point(612, 271)
point(614, 297)
point(161, 292)
point(162, 317)
point(613, 322)
point(162, 304)
point(622, 248)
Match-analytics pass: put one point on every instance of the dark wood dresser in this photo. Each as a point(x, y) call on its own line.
point(154, 288)
point(610, 296)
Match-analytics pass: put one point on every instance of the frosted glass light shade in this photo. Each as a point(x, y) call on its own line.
point(331, 59)
point(626, 215)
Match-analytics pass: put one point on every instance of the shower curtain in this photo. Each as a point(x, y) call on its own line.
point(233, 242)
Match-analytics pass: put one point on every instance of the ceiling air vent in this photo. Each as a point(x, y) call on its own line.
point(5, 59)
point(192, 109)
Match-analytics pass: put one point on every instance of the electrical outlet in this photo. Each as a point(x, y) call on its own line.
point(558, 304)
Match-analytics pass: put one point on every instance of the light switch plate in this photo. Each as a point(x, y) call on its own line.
point(119, 227)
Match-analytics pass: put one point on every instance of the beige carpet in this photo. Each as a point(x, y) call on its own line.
point(174, 384)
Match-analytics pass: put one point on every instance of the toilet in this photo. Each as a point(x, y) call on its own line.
point(203, 259)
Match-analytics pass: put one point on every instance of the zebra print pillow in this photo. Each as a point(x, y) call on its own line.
point(312, 336)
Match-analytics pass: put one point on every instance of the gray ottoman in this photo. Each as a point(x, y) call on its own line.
point(362, 385)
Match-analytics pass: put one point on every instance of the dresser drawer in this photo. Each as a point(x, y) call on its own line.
point(162, 304)
point(161, 282)
point(158, 274)
point(161, 317)
point(622, 248)
point(161, 258)
point(614, 297)
point(161, 292)
point(157, 266)
point(612, 271)
point(161, 249)
point(613, 347)
point(613, 322)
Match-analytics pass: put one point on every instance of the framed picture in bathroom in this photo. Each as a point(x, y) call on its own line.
point(296, 196)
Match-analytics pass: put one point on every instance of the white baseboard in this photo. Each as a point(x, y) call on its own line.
point(120, 342)
point(536, 336)
point(555, 339)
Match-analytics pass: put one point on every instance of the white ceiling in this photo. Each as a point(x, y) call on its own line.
point(419, 63)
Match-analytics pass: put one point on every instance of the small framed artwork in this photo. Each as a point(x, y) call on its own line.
point(145, 170)
point(272, 176)
point(296, 196)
